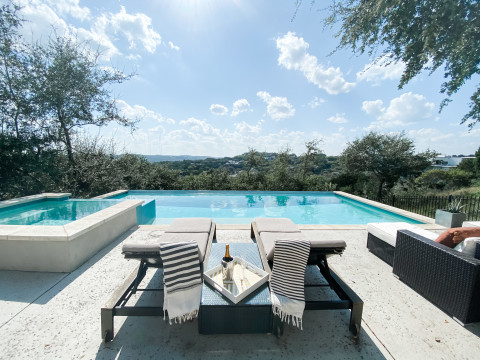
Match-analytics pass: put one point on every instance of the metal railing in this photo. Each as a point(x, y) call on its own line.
point(427, 205)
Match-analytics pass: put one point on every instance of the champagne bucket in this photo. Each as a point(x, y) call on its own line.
point(227, 270)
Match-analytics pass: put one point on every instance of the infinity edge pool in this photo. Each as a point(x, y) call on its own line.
point(144, 194)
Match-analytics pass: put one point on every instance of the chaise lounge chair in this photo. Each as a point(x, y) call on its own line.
point(201, 230)
point(267, 230)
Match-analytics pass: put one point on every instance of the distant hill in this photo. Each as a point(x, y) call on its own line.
point(160, 158)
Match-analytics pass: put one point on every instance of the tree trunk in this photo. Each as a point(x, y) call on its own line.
point(380, 188)
point(68, 142)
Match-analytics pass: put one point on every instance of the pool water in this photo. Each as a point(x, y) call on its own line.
point(238, 207)
point(51, 212)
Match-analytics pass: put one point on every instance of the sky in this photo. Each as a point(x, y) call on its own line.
point(217, 77)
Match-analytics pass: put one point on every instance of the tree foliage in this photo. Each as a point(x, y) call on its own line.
point(47, 93)
point(71, 89)
point(424, 35)
point(385, 157)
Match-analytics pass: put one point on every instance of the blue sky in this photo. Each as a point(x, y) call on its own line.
point(215, 77)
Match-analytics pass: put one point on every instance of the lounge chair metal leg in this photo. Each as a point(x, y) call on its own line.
point(277, 326)
point(142, 271)
point(356, 318)
point(107, 324)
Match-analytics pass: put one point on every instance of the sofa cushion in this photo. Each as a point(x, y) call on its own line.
point(282, 225)
point(454, 236)
point(190, 225)
point(471, 224)
point(468, 246)
point(388, 231)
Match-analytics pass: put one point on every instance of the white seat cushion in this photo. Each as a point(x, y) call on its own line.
point(388, 231)
point(468, 246)
point(471, 223)
point(190, 225)
point(283, 225)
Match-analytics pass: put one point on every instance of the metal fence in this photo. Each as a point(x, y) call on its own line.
point(427, 205)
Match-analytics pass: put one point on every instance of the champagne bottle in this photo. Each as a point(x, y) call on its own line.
point(227, 257)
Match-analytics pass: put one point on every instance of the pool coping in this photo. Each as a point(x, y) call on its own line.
point(414, 216)
point(110, 194)
point(30, 198)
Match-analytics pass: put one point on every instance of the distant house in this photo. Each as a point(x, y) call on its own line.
point(448, 162)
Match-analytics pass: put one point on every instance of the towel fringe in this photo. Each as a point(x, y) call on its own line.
point(286, 317)
point(184, 318)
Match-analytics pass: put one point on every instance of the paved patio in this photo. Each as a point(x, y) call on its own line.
point(57, 316)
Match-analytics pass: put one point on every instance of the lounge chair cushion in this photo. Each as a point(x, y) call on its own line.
point(282, 225)
point(190, 225)
point(454, 236)
point(146, 248)
point(135, 247)
point(388, 231)
point(268, 240)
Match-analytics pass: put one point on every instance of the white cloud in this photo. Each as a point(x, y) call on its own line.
point(408, 108)
point(374, 107)
point(135, 28)
point(200, 126)
point(381, 69)
point(71, 7)
point(106, 31)
point(140, 113)
point(338, 119)
point(277, 107)
point(316, 102)
point(453, 140)
point(240, 106)
point(294, 55)
point(243, 127)
point(198, 137)
point(40, 20)
point(218, 109)
point(173, 46)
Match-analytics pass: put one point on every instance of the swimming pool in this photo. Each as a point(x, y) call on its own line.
point(240, 207)
point(52, 212)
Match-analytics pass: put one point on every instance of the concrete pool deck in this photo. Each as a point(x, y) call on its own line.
point(54, 315)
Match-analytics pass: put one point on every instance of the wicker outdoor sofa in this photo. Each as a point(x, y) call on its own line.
point(444, 276)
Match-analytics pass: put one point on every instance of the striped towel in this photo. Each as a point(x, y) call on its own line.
point(287, 279)
point(182, 280)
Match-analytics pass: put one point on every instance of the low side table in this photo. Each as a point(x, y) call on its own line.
point(218, 315)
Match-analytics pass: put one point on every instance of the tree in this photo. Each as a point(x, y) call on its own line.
point(385, 157)
point(13, 71)
point(27, 153)
point(312, 159)
point(424, 35)
point(71, 89)
point(280, 176)
point(476, 162)
point(254, 161)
